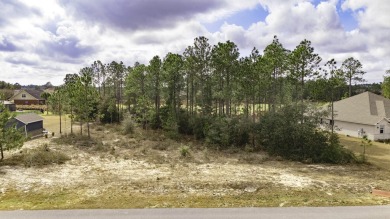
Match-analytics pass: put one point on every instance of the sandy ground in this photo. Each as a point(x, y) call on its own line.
point(139, 165)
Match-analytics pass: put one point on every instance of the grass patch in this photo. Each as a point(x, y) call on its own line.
point(118, 199)
point(43, 156)
point(377, 154)
point(77, 140)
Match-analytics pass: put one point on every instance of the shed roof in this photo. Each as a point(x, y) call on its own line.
point(28, 118)
point(365, 108)
point(5, 102)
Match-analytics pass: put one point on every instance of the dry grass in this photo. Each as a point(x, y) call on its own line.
point(51, 123)
point(378, 154)
point(145, 169)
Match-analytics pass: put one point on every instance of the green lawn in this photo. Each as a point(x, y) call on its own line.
point(52, 124)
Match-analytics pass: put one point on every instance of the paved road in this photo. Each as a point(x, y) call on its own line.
point(373, 212)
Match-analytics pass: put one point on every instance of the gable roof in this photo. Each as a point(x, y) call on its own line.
point(365, 108)
point(28, 118)
point(35, 93)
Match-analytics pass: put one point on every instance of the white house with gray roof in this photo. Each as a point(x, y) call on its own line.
point(363, 114)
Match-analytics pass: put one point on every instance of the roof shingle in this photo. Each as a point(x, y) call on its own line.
point(28, 118)
point(365, 108)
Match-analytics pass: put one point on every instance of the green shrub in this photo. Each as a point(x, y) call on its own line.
point(239, 132)
point(200, 126)
point(184, 151)
point(108, 111)
point(171, 128)
point(288, 134)
point(184, 124)
point(155, 121)
point(218, 132)
point(227, 132)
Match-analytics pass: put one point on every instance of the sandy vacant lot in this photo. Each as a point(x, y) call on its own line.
point(146, 169)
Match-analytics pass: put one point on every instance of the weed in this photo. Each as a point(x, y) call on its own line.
point(184, 151)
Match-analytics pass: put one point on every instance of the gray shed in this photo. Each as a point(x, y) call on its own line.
point(31, 124)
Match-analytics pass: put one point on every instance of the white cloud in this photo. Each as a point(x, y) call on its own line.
point(41, 42)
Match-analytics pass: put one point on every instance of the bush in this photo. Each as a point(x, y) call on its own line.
point(227, 132)
point(184, 124)
point(288, 134)
point(218, 132)
point(128, 125)
point(171, 128)
point(44, 156)
point(239, 130)
point(108, 111)
point(184, 151)
point(200, 126)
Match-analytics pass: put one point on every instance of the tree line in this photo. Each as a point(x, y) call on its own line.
point(209, 91)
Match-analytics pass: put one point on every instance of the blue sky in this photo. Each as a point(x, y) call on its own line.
point(243, 18)
point(43, 42)
point(247, 17)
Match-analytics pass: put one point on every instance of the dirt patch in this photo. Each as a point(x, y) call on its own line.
point(149, 168)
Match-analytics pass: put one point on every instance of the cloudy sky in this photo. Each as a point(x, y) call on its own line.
point(41, 41)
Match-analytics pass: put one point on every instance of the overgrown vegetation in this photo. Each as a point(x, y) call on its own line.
point(128, 125)
point(285, 133)
point(42, 156)
point(211, 93)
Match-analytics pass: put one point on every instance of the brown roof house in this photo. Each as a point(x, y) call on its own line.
point(28, 97)
point(30, 124)
point(363, 114)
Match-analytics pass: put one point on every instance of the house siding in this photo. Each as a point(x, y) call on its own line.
point(371, 131)
point(27, 100)
point(386, 130)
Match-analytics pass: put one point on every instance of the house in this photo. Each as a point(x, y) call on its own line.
point(9, 105)
point(363, 114)
point(28, 97)
point(30, 124)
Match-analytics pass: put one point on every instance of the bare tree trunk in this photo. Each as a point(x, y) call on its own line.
point(89, 135)
point(60, 119)
point(2, 153)
point(350, 87)
point(71, 119)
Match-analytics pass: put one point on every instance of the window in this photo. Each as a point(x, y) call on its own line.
point(381, 129)
point(23, 95)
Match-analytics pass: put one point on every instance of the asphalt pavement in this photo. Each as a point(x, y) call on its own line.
point(361, 212)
